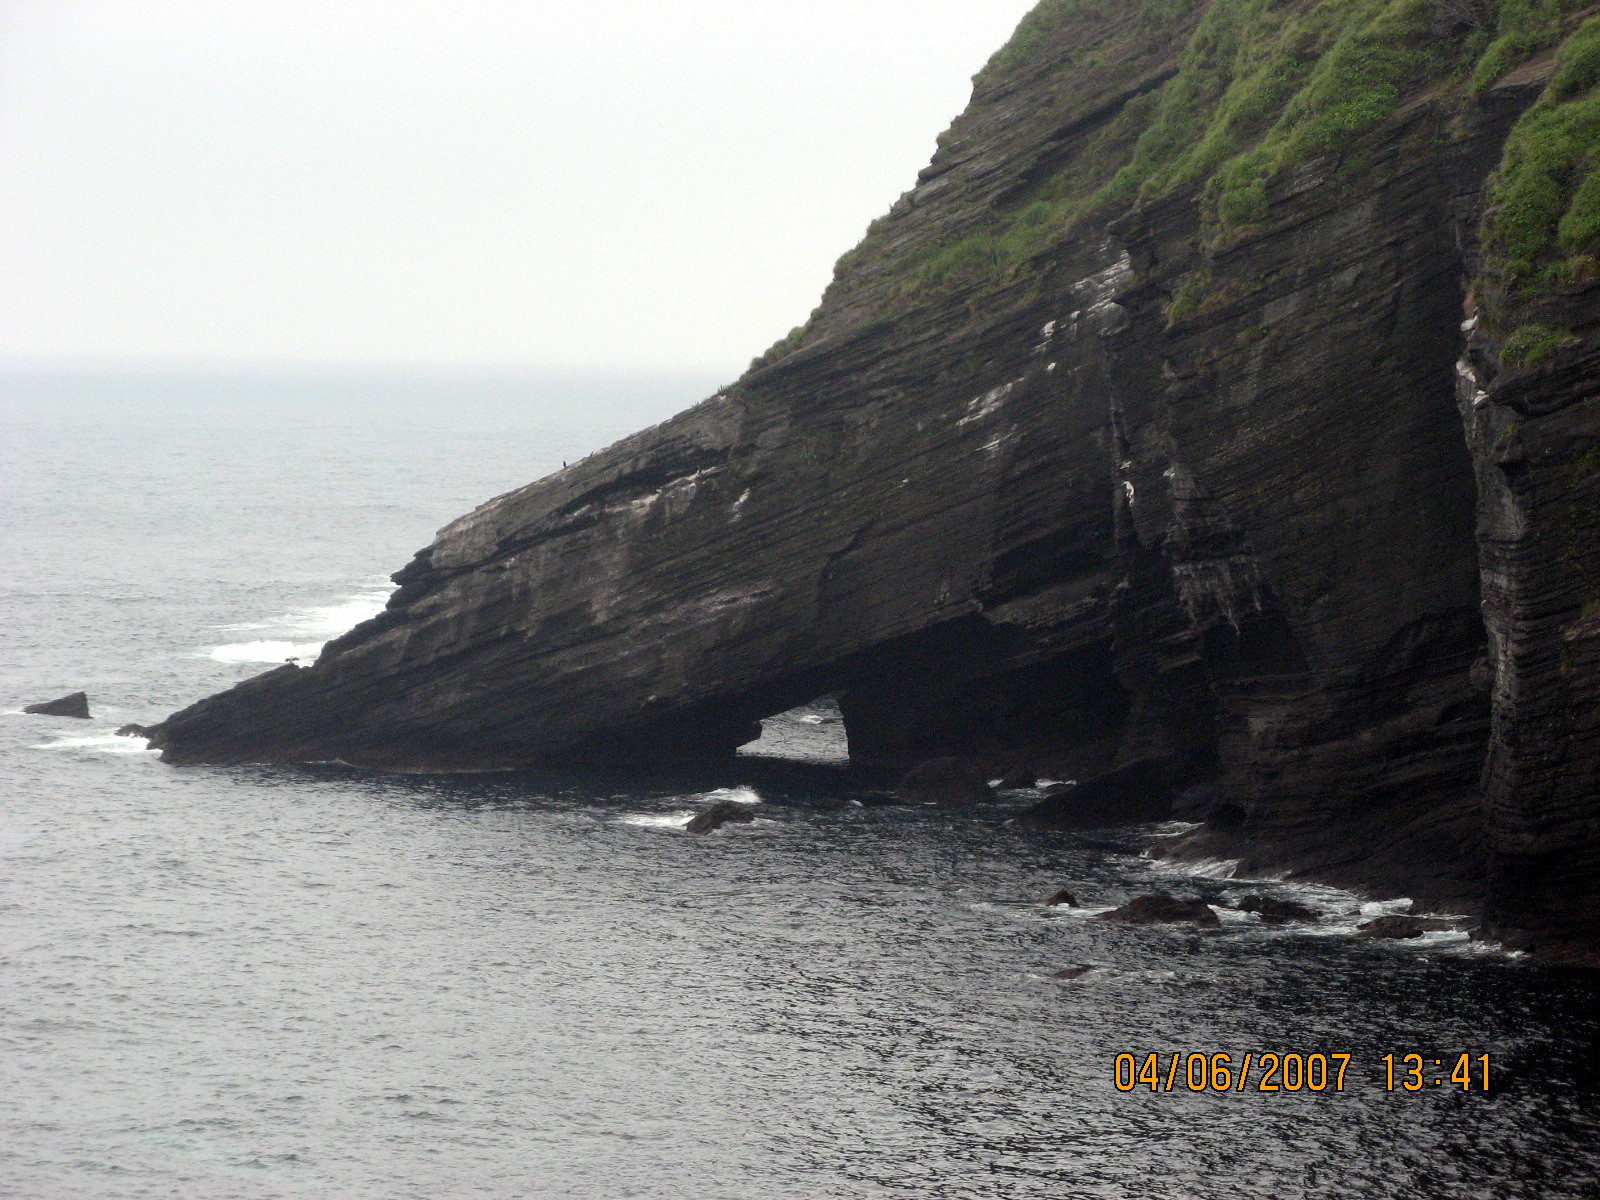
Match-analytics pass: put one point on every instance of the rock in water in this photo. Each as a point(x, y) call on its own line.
point(719, 814)
point(1278, 912)
point(142, 731)
point(1061, 897)
point(1138, 792)
point(1179, 482)
point(945, 781)
point(1161, 909)
point(75, 705)
point(1402, 927)
point(1071, 972)
point(1017, 777)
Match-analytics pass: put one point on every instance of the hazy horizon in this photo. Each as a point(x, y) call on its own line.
point(479, 185)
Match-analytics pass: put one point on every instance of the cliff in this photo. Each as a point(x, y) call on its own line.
point(1217, 411)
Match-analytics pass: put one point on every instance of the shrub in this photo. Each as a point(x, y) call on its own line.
point(1544, 222)
point(1533, 344)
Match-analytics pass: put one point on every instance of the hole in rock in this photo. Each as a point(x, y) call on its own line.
point(810, 732)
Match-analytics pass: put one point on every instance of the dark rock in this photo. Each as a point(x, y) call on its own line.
point(879, 800)
point(1278, 912)
point(1071, 972)
point(721, 813)
point(945, 781)
point(1018, 777)
point(1138, 792)
point(1161, 909)
point(1535, 437)
point(1401, 926)
point(74, 705)
point(1226, 815)
point(140, 731)
point(1061, 897)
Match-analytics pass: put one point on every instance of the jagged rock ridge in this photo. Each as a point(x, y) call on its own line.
point(1087, 463)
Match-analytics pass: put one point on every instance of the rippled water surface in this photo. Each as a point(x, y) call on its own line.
point(316, 982)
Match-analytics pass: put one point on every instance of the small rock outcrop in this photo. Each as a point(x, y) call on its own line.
point(74, 705)
point(1278, 912)
point(130, 730)
point(1018, 777)
point(945, 781)
point(1402, 926)
point(723, 812)
point(1161, 909)
point(1138, 792)
point(1061, 897)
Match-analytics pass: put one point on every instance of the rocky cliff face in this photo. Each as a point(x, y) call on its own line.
point(1143, 436)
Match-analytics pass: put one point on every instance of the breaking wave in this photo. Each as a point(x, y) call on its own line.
point(302, 632)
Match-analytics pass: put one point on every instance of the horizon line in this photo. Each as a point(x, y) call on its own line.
point(219, 365)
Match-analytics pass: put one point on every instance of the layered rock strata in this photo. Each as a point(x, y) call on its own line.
point(1177, 489)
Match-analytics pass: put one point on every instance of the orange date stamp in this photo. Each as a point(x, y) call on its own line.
point(1270, 1071)
point(1256, 1072)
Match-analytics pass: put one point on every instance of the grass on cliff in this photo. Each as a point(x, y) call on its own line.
point(1512, 31)
point(1543, 227)
point(1531, 345)
point(1262, 86)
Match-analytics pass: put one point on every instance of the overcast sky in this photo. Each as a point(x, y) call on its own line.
point(610, 183)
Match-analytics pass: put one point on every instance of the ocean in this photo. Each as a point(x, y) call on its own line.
point(317, 982)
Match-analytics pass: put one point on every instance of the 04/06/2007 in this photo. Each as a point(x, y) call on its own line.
point(1267, 1071)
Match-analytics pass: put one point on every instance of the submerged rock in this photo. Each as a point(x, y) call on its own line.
point(945, 781)
point(1161, 909)
point(1071, 972)
point(74, 705)
point(721, 813)
point(1278, 912)
point(1402, 926)
point(879, 800)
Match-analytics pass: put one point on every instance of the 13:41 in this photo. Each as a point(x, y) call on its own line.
point(1461, 1072)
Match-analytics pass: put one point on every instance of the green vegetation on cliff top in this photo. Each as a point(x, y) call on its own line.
point(1543, 227)
point(1260, 86)
point(1263, 85)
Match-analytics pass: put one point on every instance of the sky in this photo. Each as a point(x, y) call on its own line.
point(620, 184)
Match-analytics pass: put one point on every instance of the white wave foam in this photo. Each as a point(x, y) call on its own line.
point(1201, 868)
point(1386, 908)
point(333, 619)
point(1434, 938)
point(108, 743)
point(304, 631)
point(1234, 916)
point(739, 795)
point(266, 652)
point(675, 820)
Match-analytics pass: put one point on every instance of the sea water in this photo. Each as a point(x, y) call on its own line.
point(315, 982)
